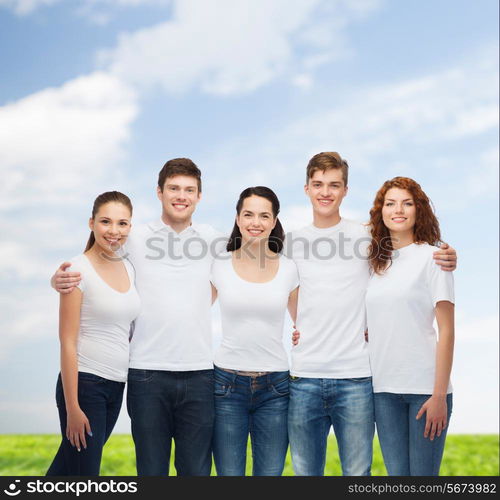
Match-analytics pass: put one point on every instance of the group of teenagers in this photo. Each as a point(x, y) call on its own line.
point(135, 309)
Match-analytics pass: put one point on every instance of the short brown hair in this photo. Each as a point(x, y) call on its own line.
point(179, 166)
point(327, 161)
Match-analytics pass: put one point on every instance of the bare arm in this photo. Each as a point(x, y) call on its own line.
point(292, 304)
point(446, 257)
point(69, 325)
point(435, 406)
point(64, 282)
point(214, 294)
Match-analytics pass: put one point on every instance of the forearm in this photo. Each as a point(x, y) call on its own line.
point(69, 375)
point(444, 362)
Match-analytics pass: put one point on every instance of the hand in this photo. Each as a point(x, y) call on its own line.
point(295, 336)
point(366, 335)
point(446, 257)
point(65, 282)
point(76, 426)
point(436, 418)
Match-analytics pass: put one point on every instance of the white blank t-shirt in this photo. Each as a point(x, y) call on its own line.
point(105, 318)
point(334, 272)
point(252, 316)
point(400, 312)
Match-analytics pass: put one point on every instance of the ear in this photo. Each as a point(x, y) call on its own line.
point(159, 192)
point(306, 189)
point(345, 190)
point(91, 224)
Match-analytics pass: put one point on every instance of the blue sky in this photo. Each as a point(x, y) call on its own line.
point(98, 94)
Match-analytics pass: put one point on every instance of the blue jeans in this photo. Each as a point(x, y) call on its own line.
point(406, 452)
point(100, 399)
point(166, 405)
point(318, 403)
point(250, 405)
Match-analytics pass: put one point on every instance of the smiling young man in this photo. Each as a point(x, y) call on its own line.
point(170, 381)
point(330, 381)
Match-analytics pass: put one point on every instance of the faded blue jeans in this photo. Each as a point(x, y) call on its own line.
point(166, 405)
point(406, 452)
point(316, 404)
point(250, 405)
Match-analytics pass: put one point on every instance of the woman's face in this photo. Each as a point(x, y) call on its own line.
point(399, 211)
point(256, 219)
point(111, 226)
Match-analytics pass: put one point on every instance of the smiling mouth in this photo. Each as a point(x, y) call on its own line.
point(179, 206)
point(398, 219)
point(254, 232)
point(325, 202)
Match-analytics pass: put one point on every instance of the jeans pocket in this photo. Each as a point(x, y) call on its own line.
point(281, 388)
point(360, 380)
point(136, 375)
point(90, 378)
point(221, 390)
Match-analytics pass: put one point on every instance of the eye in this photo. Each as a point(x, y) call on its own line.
point(123, 223)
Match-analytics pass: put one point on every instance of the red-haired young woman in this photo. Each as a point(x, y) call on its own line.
point(410, 364)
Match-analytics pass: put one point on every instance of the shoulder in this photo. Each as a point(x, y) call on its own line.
point(356, 227)
point(79, 263)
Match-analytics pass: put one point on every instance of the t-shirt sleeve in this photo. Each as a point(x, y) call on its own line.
point(76, 267)
point(293, 275)
point(441, 283)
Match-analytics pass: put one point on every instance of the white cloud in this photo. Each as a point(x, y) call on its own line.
point(54, 142)
point(234, 48)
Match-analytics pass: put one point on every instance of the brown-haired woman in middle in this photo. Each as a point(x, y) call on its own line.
point(411, 366)
point(94, 327)
point(255, 286)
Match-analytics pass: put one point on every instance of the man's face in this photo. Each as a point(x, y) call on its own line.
point(326, 190)
point(179, 197)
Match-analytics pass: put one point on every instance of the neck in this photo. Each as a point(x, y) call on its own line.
point(176, 225)
point(257, 252)
point(323, 221)
point(401, 239)
point(102, 254)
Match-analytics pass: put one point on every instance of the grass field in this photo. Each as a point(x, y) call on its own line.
point(30, 455)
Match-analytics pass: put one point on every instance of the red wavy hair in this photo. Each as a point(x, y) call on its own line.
point(426, 229)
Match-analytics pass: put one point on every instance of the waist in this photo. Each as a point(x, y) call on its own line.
point(245, 373)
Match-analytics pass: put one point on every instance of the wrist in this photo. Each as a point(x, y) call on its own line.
point(439, 395)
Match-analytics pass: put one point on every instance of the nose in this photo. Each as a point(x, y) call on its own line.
point(399, 208)
point(113, 229)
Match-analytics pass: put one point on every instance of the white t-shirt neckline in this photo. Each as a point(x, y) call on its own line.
point(256, 282)
point(130, 281)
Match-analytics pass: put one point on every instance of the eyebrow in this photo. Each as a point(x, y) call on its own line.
point(406, 199)
point(106, 217)
point(178, 185)
point(261, 213)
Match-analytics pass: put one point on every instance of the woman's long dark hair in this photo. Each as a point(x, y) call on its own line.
point(277, 236)
point(102, 199)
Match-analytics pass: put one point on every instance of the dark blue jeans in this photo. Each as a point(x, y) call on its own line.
point(255, 406)
point(405, 449)
point(100, 399)
point(166, 405)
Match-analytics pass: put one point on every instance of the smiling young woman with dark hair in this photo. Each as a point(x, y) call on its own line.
point(255, 285)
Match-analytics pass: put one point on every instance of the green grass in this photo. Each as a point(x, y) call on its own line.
point(30, 455)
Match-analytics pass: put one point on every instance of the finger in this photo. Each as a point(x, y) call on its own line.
point(420, 412)
point(444, 246)
point(66, 290)
point(439, 428)
point(427, 428)
point(64, 266)
point(87, 428)
point(77, 441)
point(81, 436)
point(432, 431)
